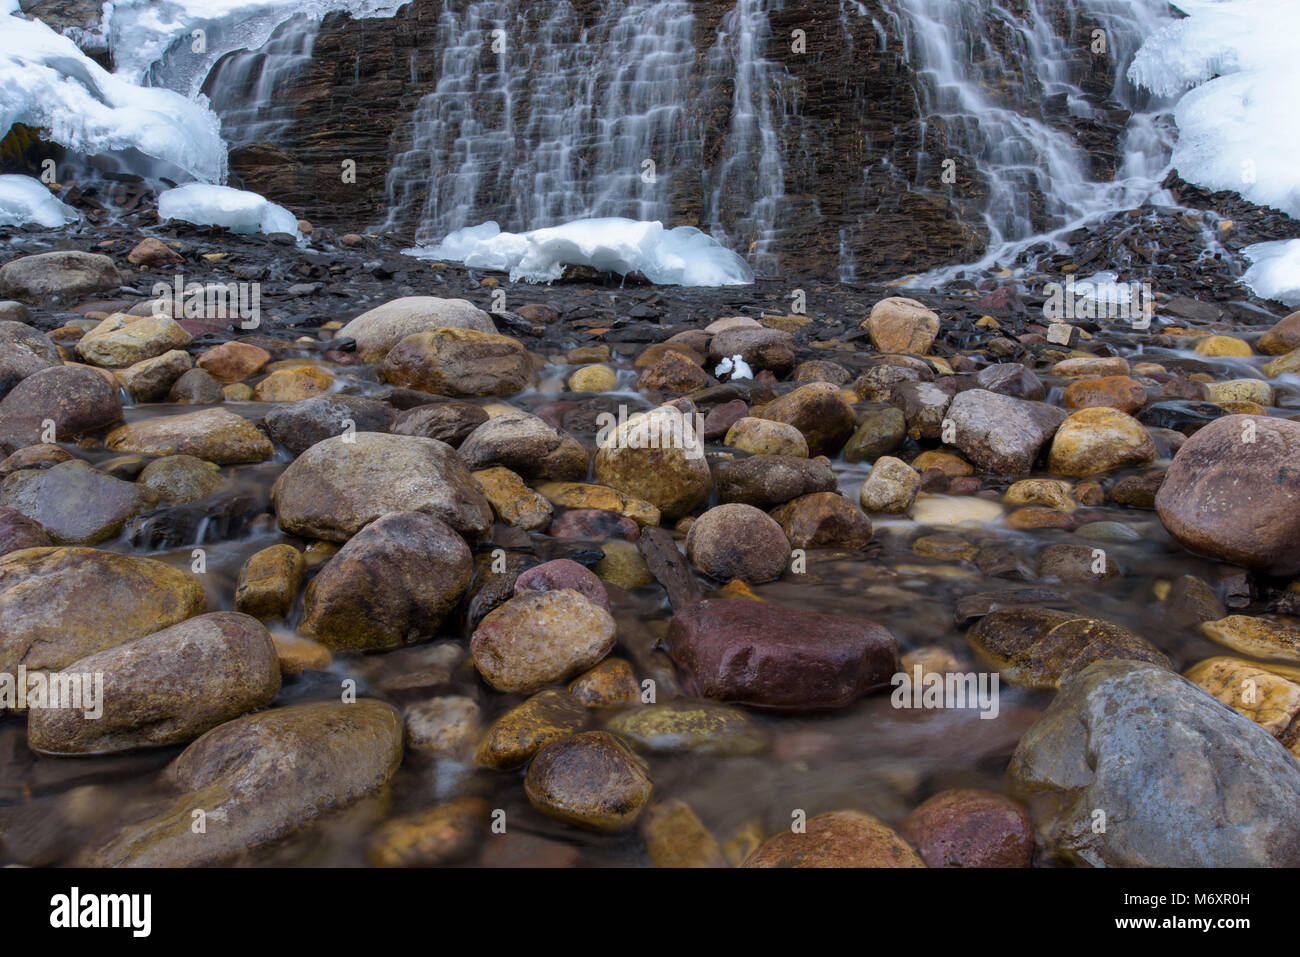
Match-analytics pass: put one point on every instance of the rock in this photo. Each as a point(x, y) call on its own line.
point(673, 373)
point(153, 252)
point(1099, 440)
point(766, 656)
point(268, 582)
point(596, 378)
point(1270, 700)
point(1011, 379)
point(577, 495)
point(378, 330)
point(513, 501)
point(1052, 493)
point(765, 437)
point(391, 585)
point(697, 727)
point(165, 688)
point(527, 446)
point(561, 573)
point(837, 839)
point(880, 432)
point(1191, 601)
point(293, 384)
point(459, 362)
point(1239, 390)
point(233, 361)
point(181, 479)
point(819, 411)
point(197, 387)
point(1138, 491)
point(445, 727)
point(1001, 434)
point(1258, 637)
point(823, 520)
point(1043, 648)
point(152, 379)
point(1283, 365)
point(1184, 781)
point(766, 481)
point(1234, 499)
point(1086, 366)
point(819, 370)
point(263, 777)
point(337, 486)
point(591, 780)
point(651, 354)
point(962, 510)
point(658, 457)
point(1076, 563)
point(675, 837)
point(891, 486)
point(300, 425)
point(965, 827)
point(213, 434)
point(23, 351)
point(1223, 346)
point(540, 637)
point(722, 417)
point(623, 566)
point(444, 835)
point(76, 399)
point(761, 348)
point(738, 541)
point(122, 340)
point(899, 325)
point(877, 384)
point(44, 630)
point(611, 684)
point(17, 532)
point(58, 277)
point(1108, 392)
point(924, 405)
point(1282, 338)
point(522, 731)
point(74, 503)
point(450, 422)
point(594, 523)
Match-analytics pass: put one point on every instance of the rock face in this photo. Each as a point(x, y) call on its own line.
point(378, 330)
point(58, 277)
point(1184, 781)
point(61, 604)
point(1000, 433)
point(212, 434)
point(837, 839)
point(767, 656)
point(263, 777)
point(337, 486)
point(167, 687)
point(459, 362)
point(540, 637)
point(1235, 499)
point(391, 585)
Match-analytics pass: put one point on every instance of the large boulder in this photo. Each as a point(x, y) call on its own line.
point(391, 585)
point(300, 425)
point(339, 485)
point(540, 637)
point(528, 446)
point(767, 656)
point(76, 504)
point(657, 456)
point(1232, 490)
point(459, 362)
point(216, 435)
point(76, 399)
point(23, 351)
point(58, 277)
point(377, 330)
point(999, 433)
point(1183, 780)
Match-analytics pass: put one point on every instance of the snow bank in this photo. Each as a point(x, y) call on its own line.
point(235, 209)
point(1275, 273)
point(45, 81)
point(24, 200)
point(683, 256)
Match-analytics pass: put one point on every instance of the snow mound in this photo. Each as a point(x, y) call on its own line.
point(683, 256)
point(47, 82)
point(25, 200)
point(1275, 273)
point(235, 209)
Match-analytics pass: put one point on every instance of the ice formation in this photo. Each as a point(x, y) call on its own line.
point(1275, 270)
point(683, 256)
point(736, 365)
point(235, 209)
point(24, 200)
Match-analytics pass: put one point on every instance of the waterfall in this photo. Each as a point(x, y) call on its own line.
point(247, 87)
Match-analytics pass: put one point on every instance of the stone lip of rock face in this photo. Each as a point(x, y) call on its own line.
point(765, 656)
point(837, 839)
point(1236, 500)
point(263, 776)
point(1000, 433)
point(337, 486)
point(1185, 781)
point(167, 687)
point(377, 330)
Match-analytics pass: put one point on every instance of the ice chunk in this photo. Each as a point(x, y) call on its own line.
point(1236, 129)
point(683, 256)
point(45, 81)
point(1275, 273)
point(736, 365)
point(235, 209)
point(25, 200)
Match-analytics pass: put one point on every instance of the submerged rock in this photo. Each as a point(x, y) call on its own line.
point(837, 839)
point(591, 780)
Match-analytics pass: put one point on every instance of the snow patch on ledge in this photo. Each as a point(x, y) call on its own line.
point(235, 209)
point(25, 201)
point(683, 256)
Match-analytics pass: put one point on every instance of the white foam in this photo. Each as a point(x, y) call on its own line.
point(24, 200)
point(683, 256)
point(235, 209)
point(1275, 273)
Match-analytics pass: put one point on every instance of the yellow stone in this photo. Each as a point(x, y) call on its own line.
point(738, 589)
point(582, 495)
point(1260, 637)
point(1283, 364)
point(951, 465)
point(593, 379)
point(1223, 346)
point(512, 500)
point(623, 566)
point(1268, 699)
point(291, 385)
point(1053, 493)
point(1240, 390)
